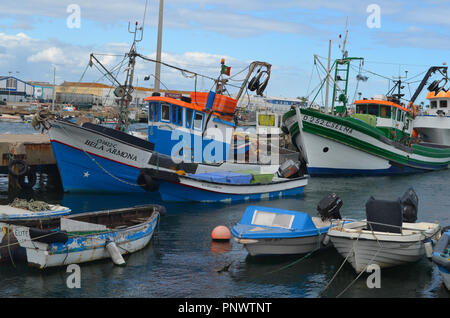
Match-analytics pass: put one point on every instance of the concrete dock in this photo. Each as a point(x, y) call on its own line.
point(35, 149)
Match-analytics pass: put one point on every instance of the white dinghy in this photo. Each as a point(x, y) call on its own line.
point(388, 237)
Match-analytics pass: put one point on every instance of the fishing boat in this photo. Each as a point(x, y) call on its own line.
point(192, 134)
point(81, 238)
point(377, 139)
point(222, 186)
point(441, 257)
point(269, 231)
point(433, 126)
point(384, 238)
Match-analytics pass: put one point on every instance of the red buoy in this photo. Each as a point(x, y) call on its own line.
point(221, 233)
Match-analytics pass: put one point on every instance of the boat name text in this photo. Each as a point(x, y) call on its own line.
point(327, 124)
point(109, 147)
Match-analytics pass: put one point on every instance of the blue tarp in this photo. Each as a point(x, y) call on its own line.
point(302, 225)
point(224, 177)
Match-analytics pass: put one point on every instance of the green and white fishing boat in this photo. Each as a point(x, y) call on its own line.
point(377, 139)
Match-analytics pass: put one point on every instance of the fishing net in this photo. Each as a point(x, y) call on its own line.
point(31, 205)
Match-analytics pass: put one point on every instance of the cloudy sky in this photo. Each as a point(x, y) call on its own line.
point(38, 35)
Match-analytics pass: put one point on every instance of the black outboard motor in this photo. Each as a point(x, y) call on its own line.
point(410, 205)
point(329, 207)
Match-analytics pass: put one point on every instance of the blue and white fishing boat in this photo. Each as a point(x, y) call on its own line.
point(81, 238)
point(271, 231)
point(192, 134)
point(441, 257)
point(221, 186)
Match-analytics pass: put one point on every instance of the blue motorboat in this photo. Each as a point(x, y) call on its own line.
point(441, 257)
point(271, 231)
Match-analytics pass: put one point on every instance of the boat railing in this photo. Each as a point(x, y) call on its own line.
point(341, 222)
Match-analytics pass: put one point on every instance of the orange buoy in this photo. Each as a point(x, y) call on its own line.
point(221, 233)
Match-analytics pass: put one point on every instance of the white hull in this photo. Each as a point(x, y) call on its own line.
point(285, 246)
point(83, 248)
point(41, 258)
point(433, 129)
point(277, 184)
point(325, 153)
point(364, 247)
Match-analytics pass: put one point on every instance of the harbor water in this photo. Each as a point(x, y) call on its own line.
point(182, 261)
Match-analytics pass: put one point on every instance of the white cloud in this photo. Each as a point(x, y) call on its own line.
point(54, 55)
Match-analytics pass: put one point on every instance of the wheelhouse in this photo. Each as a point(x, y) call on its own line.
point(439, 103)
point(390, 117)
point(171, 120)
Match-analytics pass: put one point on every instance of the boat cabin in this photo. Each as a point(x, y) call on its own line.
point(439, 103)
point(394, 119)
point(195, 129)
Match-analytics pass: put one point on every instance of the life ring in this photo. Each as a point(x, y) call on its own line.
point(30, 180)
point(22, 171)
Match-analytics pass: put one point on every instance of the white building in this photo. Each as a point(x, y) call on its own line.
point(43, 92)
point(13, 89)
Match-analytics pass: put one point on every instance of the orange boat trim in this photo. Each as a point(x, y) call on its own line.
point(381, 102)
point(194, 106)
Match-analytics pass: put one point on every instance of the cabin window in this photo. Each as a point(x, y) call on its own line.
point(189, 113)
point(443, 104)
point(399, 115)
point(165, 112)
point(272, 219)
point(373, 110)
point(177, 115)
point(198, 120)
point(433, 104)
point(153, 111)
point(385, 111)
point(361, 109)
point(180, 116)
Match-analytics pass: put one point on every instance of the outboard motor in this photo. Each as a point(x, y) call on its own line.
point(288, 169)
point(410, 205)
point(329, 207)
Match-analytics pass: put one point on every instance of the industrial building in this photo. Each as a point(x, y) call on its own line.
point(43, 91)
point(13, 89)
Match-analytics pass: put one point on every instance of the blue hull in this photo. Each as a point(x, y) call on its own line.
point(393, 170)
point(81, 172)
point(179, 193)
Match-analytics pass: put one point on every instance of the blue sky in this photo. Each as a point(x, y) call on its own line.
point(413, 35)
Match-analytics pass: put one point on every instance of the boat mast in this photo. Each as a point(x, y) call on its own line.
point(342, 71)
point(158, 48)
point(328, 78)
point(125, 92)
